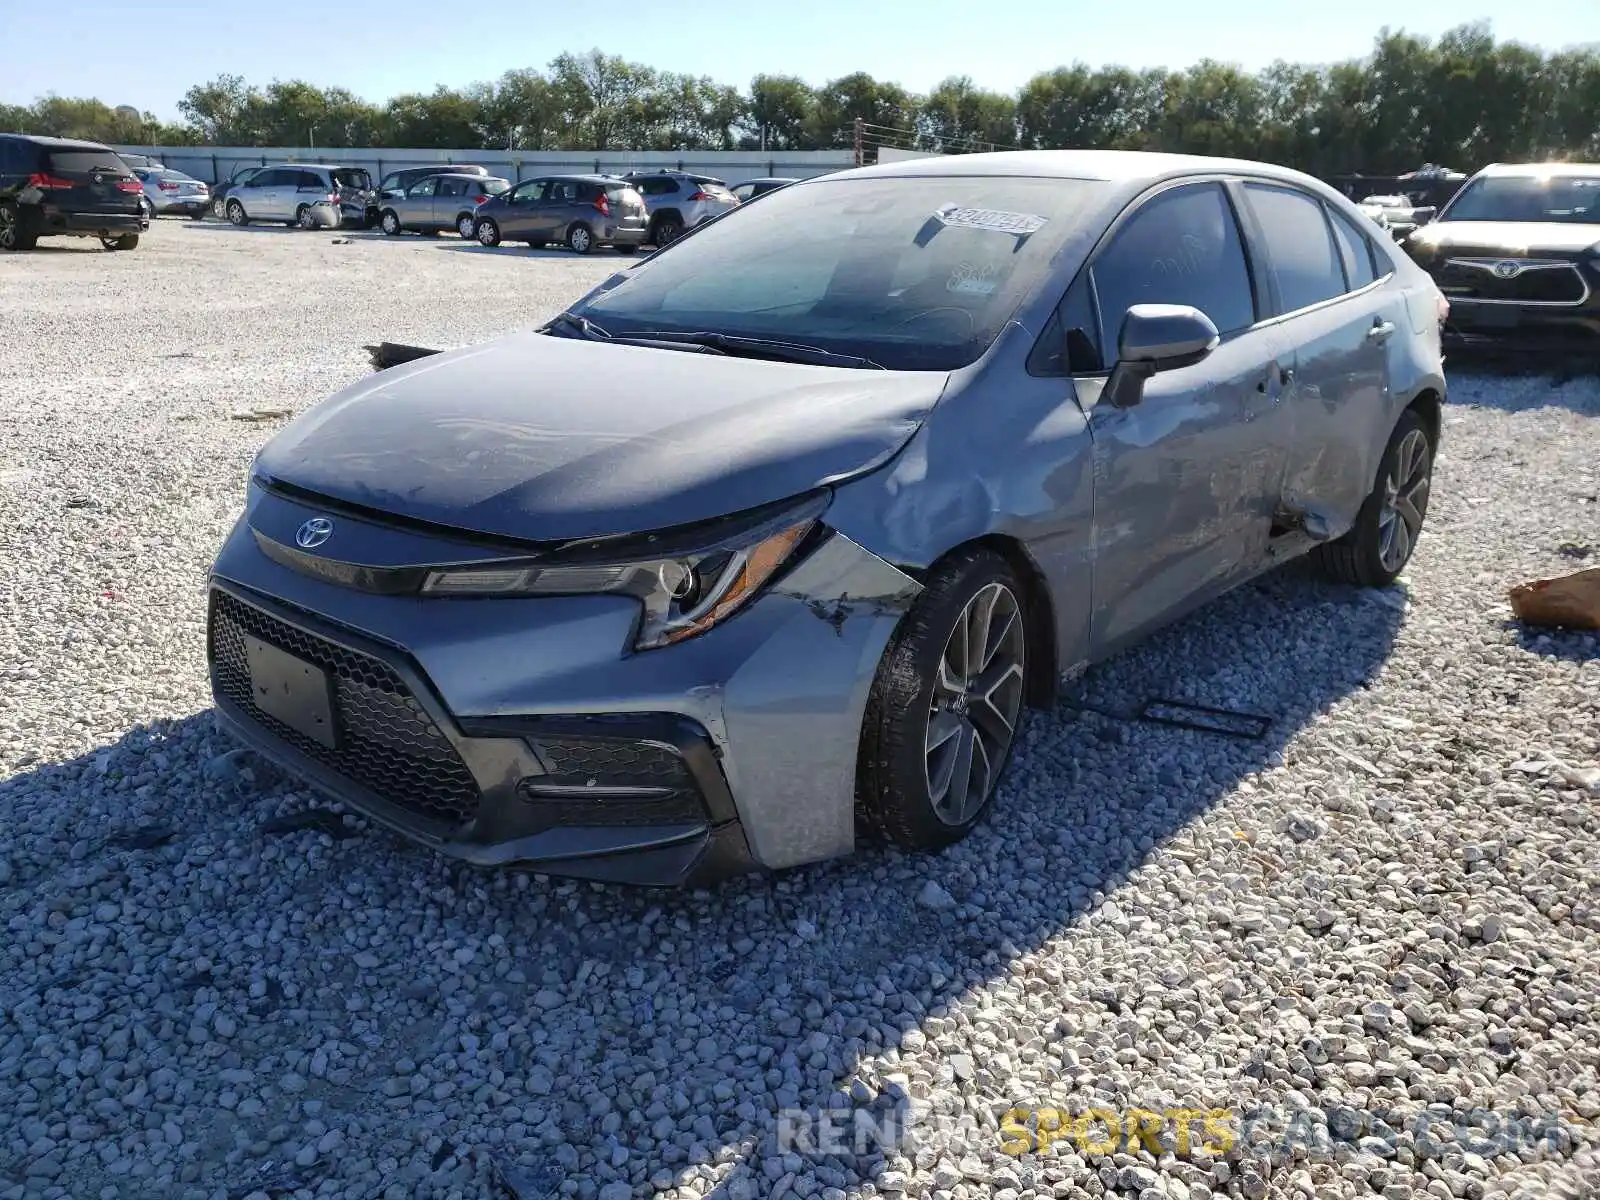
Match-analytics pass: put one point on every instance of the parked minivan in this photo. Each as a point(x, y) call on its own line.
point(303, 194)
point(59, 187)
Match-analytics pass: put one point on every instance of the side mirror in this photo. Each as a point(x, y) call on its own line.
point(1156, 338)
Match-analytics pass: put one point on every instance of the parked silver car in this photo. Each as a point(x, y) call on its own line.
point(169, 192)
point(304, 194)
point(766, 542)
point(437, 202)
point(676, 201)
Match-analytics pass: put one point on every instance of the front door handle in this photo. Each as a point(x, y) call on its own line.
point(1380, 331)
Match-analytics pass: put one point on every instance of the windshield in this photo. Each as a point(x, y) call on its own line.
point(914, 273)
point(352, 177)
point(1573, 199)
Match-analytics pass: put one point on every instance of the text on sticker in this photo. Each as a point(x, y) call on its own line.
point(995, 219)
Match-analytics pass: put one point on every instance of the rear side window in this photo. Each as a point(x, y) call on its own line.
point(423, 189)
point(1181, 247)
point(492, 187)
point(452, 187)
point(311, 181)
point(1361, 264)
point(564, 189)
point(1304, 261)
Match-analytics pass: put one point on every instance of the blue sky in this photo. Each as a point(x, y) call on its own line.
point(151, 51)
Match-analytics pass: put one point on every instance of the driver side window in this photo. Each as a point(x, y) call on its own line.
point(424, 189)
point(529, 193)
point(1181, 247)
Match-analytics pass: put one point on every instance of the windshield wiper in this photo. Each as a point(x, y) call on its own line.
point(589, 330)
point(754, 347)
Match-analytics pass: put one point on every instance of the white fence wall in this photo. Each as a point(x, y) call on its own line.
point(217, 163)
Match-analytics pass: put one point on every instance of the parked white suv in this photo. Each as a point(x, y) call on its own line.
point(304, 194)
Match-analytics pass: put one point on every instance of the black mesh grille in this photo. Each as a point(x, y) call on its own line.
point(388, 743)
point(577, 763)
point(614, 762)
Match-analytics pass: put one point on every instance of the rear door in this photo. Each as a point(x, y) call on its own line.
point(449, 200)
point(1336, 316)
point(563, 204)
point(90, 181)
point(311, 187)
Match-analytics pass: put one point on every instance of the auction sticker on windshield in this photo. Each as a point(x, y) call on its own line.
point(994, 219)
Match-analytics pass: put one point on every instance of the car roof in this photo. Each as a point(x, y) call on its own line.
point(55, 143)
point(1568, 169)
point(1115, 166)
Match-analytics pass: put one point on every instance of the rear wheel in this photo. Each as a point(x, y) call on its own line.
point(389, 222)
point(236, 213)
point(304, 218)
point(12, 236)
point(580, 238)
point(464, 226)
point(1380, 543)
point(488, 233)
point(126, 242)
point(942, 715)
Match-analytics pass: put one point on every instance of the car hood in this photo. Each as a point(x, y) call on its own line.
point(1510, 237)
point(543, 438)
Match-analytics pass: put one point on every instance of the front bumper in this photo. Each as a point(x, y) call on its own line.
point(1522, 329)
point(526, 732)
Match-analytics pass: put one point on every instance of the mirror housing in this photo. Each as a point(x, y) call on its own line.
point(1156, 338)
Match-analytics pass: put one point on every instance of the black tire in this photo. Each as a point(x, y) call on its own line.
point(389, 222)
point(894, 795)
point(431, 232)
point(626, 249)
point(198, 214)
point(580, 238)
point(666, 229)
point(488, 232)
point(237, 215)
point(127, 241)
point(12, 236)
point(1363, 556)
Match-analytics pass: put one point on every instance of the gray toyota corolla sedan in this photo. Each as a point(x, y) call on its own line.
point(764, 544)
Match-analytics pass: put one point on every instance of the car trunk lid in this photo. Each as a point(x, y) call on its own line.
point(88, 181)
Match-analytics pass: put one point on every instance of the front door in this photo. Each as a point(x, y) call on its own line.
point(522, 210)
point(416, 210)
point(1183, 479)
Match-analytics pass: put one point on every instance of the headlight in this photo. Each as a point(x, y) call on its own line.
point(683, 592)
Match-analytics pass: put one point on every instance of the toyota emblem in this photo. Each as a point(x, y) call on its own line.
point(1507, 269)
point(313, 533)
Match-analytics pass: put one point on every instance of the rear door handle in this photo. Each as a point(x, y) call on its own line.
point(1380, 331)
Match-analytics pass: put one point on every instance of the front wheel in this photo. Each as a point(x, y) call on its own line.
point(942, 715)
point(488, 233)
point(126, 242)
point(389, 222)
point(1379, 544)
point(236, 213)
point(219, 208)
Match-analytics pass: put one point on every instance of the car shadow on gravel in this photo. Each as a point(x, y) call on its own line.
point(661, 1030)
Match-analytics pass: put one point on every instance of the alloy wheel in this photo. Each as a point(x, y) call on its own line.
point(8, 229)
point(977, 698)
point(488, 233)
point(1405, 500)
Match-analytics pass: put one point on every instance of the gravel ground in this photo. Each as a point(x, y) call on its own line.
point(1387, 909)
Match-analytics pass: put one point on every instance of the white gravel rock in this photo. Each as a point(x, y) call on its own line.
point(1385, 910)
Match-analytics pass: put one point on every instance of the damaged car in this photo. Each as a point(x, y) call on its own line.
point(764, 546)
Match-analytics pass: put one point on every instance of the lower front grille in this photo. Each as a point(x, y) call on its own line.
point(612, 781)
point(388, 744)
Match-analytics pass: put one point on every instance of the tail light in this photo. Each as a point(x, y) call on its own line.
point(125, 185)
point(48, 183)
point(333, 197)
point(602, 205)
point(700, 195)
point(477, 200)
point(169, 187)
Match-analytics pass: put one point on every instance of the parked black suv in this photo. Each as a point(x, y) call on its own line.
point(1516, 252)
point(55, 187)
